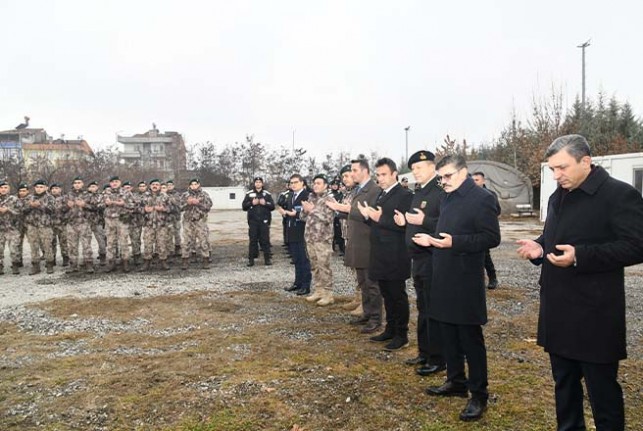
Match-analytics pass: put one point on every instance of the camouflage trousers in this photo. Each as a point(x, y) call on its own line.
point(22, 233)
point(117, 234)
point(60, 237)
point(195, 238)
point(79, 235)
point(173, 235)
point(40, 238)
point(10, 237)
point(155, 240)
point(319, 254)
point(135, 233)
point(99, 235)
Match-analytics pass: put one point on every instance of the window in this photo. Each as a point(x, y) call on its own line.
point(638, 179)
point(233, 196)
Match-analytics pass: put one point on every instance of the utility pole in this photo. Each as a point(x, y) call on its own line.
point(406, 132)
point(583, 46)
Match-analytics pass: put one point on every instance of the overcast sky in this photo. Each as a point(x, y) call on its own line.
point(341, 74)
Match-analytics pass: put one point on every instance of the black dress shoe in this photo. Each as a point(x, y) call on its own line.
point(448, 389)
point(474, 409)
point(384, 336)
point(418, 360)
point(291, 288)
point(359, 321)
point(428, 369)
point(371, 328)
point(303, 291)
point(397, 343)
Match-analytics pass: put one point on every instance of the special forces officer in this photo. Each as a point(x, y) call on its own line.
point(79, 233)
point(118, 208)
point(195, 204)
point(9, 214)
point(38, 209)
point(258, 204)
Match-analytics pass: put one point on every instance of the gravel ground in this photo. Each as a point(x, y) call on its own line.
point(228, 273)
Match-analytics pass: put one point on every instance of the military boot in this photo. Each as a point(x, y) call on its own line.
point(136, 259)
point(50, 267)
point(205, 263)
point(146, 265)
point(65, 260)
point(89, 266)
point(185, 263)
point(35, 268)
point(356, 302)
point(327, 298)
point(15, 268)
point(177, 250)
point(164, 265)
point(126, 265)
point(1, 270)
point(316, 296)
point(111, 266)
point(102, 258)
point(359, 311)
point(73, 268)
point(267, 260)
point(251, 262)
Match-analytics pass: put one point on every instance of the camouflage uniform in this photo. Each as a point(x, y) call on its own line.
point(59, 228)
point(174, 222)
point(137, 220)
point(195, 223)
point(9, 233)
point(154, 230)
point(22, 227)
point(79, 233)
point(97, 223)
point(319, 238)
point(39, 230)
point(117, 224)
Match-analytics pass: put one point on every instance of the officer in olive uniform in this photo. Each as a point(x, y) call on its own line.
point(259, 205)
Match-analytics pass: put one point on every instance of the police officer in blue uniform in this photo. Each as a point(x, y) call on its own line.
point(259, 205)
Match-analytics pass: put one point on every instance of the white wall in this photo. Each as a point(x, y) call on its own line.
point(619, 166)
point(222, 200)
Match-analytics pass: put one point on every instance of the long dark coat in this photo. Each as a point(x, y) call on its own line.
point(458, 293)
point(582, 307)
point(389, 258)
point(294, 225)
point(358, 245)
point(427, 199)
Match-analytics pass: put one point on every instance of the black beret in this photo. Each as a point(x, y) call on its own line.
point(3, 183)
point(93, 183)
point(421, 156)
point(127, 183)
point(142, 182)
point(345, 169)
point(154, 180)
point(54, 185)
point(194, 180)
point(322, 177)
point(40, 183)
point(169, 182)
point(257, 179)
point(77, 179)
point(114, 178)
point(22, 186)
point(106, 186)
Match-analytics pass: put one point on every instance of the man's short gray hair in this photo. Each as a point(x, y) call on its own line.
point(575, 145)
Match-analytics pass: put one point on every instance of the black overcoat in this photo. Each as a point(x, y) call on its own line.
point(389, 259)
point(427, 199)
point(294, 225)
point(458, 293)
point(582, 307)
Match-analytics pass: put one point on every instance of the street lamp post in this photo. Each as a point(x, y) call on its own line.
point(406, 133)
point(583, 46)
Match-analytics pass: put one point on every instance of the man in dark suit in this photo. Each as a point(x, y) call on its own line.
point(479, 179)
point(422, 218)
point(467, 226)
point(358, 245)
point(389, 261)
point(295, 231)
point(593, 230)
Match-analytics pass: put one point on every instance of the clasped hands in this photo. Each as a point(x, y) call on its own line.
point(368, 212)
point(530, 249)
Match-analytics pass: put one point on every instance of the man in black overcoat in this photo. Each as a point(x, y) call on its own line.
point(594, 229)
point(466, 228)
point(296, 242)
point(422, 218)
point(389, 261)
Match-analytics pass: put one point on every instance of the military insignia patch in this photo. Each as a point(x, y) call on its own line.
point(423, 205)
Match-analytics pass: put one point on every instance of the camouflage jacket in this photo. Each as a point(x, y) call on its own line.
point(137, 218)
point(76, 213)
point(175, 206)
point(196, 212)
point(319, 222)
point(156, 218)
point(9, 219)
point(59, 215)
point(122, 212)
point(96, 209)
point(39, 216)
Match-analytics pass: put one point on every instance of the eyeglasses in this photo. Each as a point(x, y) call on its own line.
point(448, 176)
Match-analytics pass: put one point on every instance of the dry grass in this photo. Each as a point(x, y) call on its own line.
point(257, 360)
